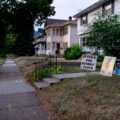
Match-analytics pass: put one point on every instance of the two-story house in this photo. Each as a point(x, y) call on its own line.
point(60, 34)
point(86, 16)
point(40, 42)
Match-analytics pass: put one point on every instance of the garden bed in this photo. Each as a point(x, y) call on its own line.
point(95, 98)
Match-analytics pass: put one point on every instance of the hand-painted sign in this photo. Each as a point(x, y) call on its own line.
point(107, 66)
point(117, 66)
point(88, 62)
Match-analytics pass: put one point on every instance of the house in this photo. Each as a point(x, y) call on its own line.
point(40, 42)
point(60, 34)
point(86, 16)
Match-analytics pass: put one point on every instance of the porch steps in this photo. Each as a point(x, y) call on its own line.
point(40, 85)
point(50, 81)
point(59, 77)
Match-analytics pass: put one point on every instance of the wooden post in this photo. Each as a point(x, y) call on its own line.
point(87, 75)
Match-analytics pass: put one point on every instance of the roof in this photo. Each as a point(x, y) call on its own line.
point(39, 34)
point(50, 21)
point(92, 7)
point(63, 23)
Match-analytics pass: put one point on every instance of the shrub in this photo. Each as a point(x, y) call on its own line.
point(73, 52)
point(100, 58)
point(2, 55)
point(46, 72)
point(57, 69)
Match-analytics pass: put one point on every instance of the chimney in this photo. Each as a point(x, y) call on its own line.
point(70, 18)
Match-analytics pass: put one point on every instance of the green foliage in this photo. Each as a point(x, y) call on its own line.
point(46, 72)
point(105, 34)
point(57, 69)
point(42, 73)
point(73, 52)
point(2, 55)
point(100, 58)
point(21, 16)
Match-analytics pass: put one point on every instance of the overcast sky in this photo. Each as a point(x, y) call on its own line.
point(66, 8)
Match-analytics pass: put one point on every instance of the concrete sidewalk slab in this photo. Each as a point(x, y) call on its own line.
point(17, 98)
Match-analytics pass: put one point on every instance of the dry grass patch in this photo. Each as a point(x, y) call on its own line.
point(97, 98)
point(25, 64)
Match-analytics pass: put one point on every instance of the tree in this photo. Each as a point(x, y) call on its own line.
point(22, 16)
point(104, 34)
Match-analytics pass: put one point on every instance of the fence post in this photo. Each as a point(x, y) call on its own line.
point(36, 71)
point(56, 64)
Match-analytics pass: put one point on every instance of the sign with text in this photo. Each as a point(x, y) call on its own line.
point(88, 62)
point(117, 66)
point(107, 66)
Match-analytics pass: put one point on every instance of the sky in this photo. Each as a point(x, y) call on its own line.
point(66, 8)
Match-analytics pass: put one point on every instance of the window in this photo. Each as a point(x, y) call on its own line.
point(48, 32)
point(61, 32)
point(83, 20)
point(65, 31)
point(108, 10)
point(42, 46)
point(54, 32)
point(83, 41)
point(57, 32)
point(53, 45)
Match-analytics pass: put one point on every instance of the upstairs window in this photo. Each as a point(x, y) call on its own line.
point(108, 10)
point(54, 32)
point(57, 32)
point(61, 32)
point(83, 20)
point(65, 31)
point(48, 32)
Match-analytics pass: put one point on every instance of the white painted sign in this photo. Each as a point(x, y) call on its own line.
point(107, 66)
point(88, 62)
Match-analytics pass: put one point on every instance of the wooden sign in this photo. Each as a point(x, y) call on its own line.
point(107, 66)
point(88, 62)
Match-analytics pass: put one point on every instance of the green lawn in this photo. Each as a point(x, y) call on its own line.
point(95, 98)
point(76, 69)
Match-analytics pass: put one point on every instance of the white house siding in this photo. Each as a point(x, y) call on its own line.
point(66, 37)
point(91, 16)
point(65, 40)
point(117, 7)
point(74, 38)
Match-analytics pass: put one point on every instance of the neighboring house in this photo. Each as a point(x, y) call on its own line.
point(40, 42)
point(86, 16)
point(60, 34)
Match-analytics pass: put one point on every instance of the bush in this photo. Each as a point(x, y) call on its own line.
point(46, 72)
point(100, 58)
point(2, 55)
point(73, 52)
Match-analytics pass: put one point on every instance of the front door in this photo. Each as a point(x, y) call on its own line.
point(58, 48)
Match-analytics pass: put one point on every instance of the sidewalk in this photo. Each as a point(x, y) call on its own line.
point(17, 99)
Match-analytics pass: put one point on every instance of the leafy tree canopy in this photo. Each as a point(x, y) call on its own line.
point(20, 16)
point(104, 33)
